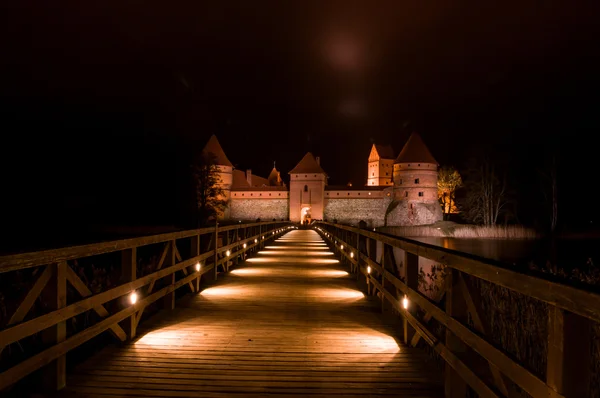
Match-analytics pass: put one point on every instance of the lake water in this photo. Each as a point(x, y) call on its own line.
point(567, 253)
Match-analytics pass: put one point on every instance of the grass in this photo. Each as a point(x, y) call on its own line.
point(445, 229)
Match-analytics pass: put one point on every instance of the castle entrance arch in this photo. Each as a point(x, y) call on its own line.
point(305, 215)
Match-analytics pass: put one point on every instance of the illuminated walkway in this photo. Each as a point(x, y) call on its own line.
point(286, 322)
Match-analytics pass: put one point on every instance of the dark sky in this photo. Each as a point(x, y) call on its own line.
point(107, 100)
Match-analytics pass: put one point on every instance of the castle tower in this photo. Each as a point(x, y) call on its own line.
point(275, 178)
point(307, 188)
point(381, 166)
point(415, 186)
point(214, 149)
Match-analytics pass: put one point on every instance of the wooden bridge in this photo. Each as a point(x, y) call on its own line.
point(279, 311)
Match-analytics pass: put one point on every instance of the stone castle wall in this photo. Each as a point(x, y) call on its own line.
point(404, 212)
point(352, 211)
point(265, 209)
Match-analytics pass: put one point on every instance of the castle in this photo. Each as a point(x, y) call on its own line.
point(400, 190)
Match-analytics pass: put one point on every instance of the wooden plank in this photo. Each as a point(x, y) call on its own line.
point(266, 328)
point(84, 291)
point(55, 293)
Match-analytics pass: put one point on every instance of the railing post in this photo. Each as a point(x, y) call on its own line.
point(129, 274)
point(569, 353)
point(411, 268)
point(195, 251)
point(215, 270)
point(455, 386)
point(169, 299)
point(55, 295)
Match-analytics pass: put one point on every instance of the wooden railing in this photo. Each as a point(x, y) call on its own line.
point(206, 250)
point(466, 344)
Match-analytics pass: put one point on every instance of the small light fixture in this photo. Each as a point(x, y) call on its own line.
point(255, 240)
point(228, 253)
point(133, 297)
point(368, 269)
point(342, 247)
point(245, 245)
point(263, 237)
point(198, 266)
point(351, 254)
point(405, 302)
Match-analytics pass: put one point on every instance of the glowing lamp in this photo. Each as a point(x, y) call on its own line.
point(351, 254)
point(255, 240)
point(244, 245)
point(228, 253)
point(133, 297)
point(368, 269)
point(197, 266)
point(263, 237)
point(405, 302)
point(342, 247)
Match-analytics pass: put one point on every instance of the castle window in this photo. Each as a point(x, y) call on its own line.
point(387, 174)
point(242, 194)
point(260, 194)
point(235, 194)
point(420, 193)
point(338, 194)
point(269, 194)
point(409, 165)
point(373, 175)
point(348, 193)
point(400, 181)
point(279, 194)
point(359, 194)
point(416, 180)
point(251, 194)
point(315, 175)
point(305, 176)
point(406, 194)
point(306, 188)
point(419, 164)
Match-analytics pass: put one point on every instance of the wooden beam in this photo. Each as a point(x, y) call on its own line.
point(411, 268)
point(428, 315)
point(84, 291)
point(33, 293)
point(454, 385)
point(169, 299)
point(569, 353)
point(577, 300)
point(55, 292)
point(472, 299)
point(45, 357)
point(184, 270)
point(129, 274)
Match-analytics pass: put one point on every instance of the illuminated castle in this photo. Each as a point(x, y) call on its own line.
point(400, 190)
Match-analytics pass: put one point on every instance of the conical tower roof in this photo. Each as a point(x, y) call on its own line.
point(213, 146)
point(307, 165)
point(415, 151)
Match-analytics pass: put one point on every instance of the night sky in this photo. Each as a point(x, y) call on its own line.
point(104, 103)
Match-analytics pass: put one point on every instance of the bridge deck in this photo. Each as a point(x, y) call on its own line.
point(288, 321)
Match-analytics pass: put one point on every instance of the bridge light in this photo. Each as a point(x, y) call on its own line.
point(133, 297)
point(405, 302)
point(255, 240)
point(351, 254)
point(228, 253)
point(368, 269)
point(342, 247)
point(198, 266)
point(244, 245)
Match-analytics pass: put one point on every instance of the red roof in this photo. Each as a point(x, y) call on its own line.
point(307, 165)
point(384, 151)
point(415, 151)
point(213, 146)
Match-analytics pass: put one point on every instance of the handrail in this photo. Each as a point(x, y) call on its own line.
point(56, 273)
point(571, 309)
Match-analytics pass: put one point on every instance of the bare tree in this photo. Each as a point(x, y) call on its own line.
point(449, 181)
point(486, 193)
point(210, 197)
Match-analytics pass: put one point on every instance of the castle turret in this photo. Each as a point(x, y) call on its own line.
point(214, 149)
point(307, 188)
point(415, 186)
point(380, 167)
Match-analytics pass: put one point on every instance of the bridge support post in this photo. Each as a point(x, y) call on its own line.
point(195, 251)
point(55, 295)
point(455, 386)
point(569, 353)
point(169, 299)
point(216, 246)
point(411, 269)
point(129, 274)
